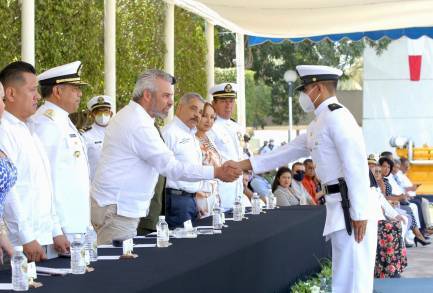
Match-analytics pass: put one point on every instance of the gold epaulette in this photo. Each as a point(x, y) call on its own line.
point(49, 113)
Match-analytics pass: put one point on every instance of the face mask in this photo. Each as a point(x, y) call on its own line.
point(306, 104)
point(102, 119)
point(299, 175)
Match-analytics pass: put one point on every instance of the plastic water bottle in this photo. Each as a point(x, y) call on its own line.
point(217, 219)
point(270, 200)
point(20, 280)
point(162, 233)
point(78, 262)
point(91, 243)
point(256, 208)
point(237, 210)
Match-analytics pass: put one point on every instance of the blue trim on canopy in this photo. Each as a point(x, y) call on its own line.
point(412, 33)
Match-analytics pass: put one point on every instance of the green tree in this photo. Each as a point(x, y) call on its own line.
point(10, 32)
point(190, 54)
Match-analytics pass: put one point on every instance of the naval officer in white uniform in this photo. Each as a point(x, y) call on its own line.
point(100, 110)
point(61, 89)
point(226, 134)
point(335, 142)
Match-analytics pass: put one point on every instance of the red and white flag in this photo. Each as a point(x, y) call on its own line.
point(415, 51)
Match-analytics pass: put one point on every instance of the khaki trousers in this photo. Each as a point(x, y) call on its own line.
point(109, 225)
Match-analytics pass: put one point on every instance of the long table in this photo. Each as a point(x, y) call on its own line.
point(265, 253)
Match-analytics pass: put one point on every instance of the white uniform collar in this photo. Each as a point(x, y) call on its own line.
point(137, 107)
point(183, 126)
point(98, 128)
point(324, 105)
point(12, 119)
point(59, 111)
point(222, 119)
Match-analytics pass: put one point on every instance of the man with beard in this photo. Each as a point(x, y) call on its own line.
point(179, 136)
point(132, 157)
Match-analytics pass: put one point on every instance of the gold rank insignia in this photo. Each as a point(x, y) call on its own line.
point(101, 100)
point(228, 88)
point(49, 113)
point(77, 154)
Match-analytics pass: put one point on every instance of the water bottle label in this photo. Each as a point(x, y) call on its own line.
point(87, 257)
point(83, 257)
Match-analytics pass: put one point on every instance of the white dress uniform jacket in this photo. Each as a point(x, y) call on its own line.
point(70, 171)
point(181, 140)
point(94, 139)
point(336, 144)
point(29, 210)
point(132, 156)
point(226, 133)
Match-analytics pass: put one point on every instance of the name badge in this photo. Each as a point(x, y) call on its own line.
point(187, 225)
point(128, 246)
point(31, 271)
point(184, 140)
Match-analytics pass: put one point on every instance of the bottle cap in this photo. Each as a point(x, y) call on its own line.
point(162, 218)
point(18, 248)
point(77, 236)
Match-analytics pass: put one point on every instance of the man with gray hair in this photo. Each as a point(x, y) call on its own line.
point(179, 136)
point(133, 155)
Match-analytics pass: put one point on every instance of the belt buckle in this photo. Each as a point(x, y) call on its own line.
point(325, 188)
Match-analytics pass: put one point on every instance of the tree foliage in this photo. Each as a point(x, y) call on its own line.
point(66, 31)
point(190, 53)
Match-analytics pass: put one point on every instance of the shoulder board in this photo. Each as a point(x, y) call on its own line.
point(82, 130)
point(49, 113)
point(333, 107)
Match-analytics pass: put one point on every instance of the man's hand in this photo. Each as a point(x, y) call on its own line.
point(5, 245)
point(34, 251)
point(359, 228)
point(61, 244)
point(228, 172)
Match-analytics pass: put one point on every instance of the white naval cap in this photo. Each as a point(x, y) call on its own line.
point(224, 90)
point(68, 73)
point(99, 102)
point(314, 73)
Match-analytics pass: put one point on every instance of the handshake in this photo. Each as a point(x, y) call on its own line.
point(228, 172)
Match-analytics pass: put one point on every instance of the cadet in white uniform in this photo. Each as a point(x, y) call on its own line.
point(29, 210)
point(226, 134)
point(61, 89)
point(100, 110)
point(179, 136)
point(336, 144)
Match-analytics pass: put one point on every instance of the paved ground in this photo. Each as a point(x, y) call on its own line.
point(420, 262)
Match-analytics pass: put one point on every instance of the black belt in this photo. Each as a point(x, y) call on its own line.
point(179, 192)
point(329, 189)
point(341, 188)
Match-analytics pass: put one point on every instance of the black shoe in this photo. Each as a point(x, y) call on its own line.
point(424, 243)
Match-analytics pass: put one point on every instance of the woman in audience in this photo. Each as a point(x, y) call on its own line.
point(386, 189)
point(391, 253)
point(8, 177)
point(285, 195)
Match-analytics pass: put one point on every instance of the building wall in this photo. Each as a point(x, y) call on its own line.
point(393, 105)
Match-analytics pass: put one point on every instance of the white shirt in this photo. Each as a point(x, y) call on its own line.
point(29, 210)
point(133, 155)
point(226, 134)
point(94, 139)
point(181, 140)
point(396, 188)
point(405, 182)
point(69, 168)
point(336, 145)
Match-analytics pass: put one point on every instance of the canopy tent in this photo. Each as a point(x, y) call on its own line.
point(298, 19)
point(411, 33)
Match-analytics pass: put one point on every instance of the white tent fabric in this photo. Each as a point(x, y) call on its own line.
point(290, 19)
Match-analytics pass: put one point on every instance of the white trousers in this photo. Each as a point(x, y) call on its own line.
point(425, 205)
point(353, 263)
